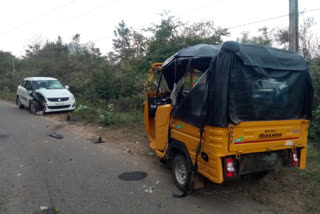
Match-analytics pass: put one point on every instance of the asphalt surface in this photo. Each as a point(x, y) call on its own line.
point(76, 176)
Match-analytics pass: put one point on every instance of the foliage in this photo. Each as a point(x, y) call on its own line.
point(118, 78)
point(315, 128)
point(265, 37)
point(106, 117)
point(82, 109)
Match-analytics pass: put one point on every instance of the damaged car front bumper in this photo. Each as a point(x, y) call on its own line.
point(60, 104)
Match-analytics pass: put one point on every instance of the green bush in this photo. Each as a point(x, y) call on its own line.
point(82, 109)
point(315, 124)
point(106, 117)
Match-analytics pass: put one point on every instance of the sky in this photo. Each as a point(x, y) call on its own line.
point(25, 22)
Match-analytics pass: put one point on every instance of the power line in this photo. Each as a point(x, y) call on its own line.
point(43, 14)
point(89, 11)
point(272, 18)
point(236, 26)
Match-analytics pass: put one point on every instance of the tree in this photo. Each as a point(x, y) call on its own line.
point(265, 37)
point(308, 43)
point(171, 35)
point(122, 43)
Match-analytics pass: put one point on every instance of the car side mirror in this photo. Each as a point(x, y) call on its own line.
point(66, 87)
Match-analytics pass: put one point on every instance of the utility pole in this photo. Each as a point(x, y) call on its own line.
point(13, 69)
point(293, 25)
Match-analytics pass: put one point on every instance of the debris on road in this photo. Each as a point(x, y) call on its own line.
point(150, 153)
point(43, 208)
point(39, 113)
point(46, 210)
point(127, 151)
point(149, 189)
point(19, 174)
point(132, 176)
point(71, 120)
point(55, 135)
point(99, 140)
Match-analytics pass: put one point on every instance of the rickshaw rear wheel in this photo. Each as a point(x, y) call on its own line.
point(181, 172)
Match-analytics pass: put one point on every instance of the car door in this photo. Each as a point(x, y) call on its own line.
point(25, 93)
point(21, 91)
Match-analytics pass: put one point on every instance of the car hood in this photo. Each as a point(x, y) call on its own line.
point(54, 93)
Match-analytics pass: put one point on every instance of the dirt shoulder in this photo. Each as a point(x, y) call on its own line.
point(130, 140)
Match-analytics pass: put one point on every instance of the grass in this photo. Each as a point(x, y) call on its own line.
point(312, 172)
point(7, 95)
point(291, 189)
point(106, 114)
point(89, 112)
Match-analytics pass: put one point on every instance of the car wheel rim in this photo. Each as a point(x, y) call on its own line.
point(180, 173)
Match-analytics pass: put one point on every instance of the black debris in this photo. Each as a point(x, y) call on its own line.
point(99, 140)
point(71, 120)
point(55, 135)
point(50, 211)
point(132, 176)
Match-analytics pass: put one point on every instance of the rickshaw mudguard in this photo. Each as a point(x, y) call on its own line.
point(146, 117)
point(162, 120)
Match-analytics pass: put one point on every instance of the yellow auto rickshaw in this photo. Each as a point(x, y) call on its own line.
point(228, 110)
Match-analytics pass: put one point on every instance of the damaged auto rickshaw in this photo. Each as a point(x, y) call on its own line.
point(228, 110)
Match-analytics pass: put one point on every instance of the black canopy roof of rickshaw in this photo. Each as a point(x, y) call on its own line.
point(201, 55)
point(243, 83)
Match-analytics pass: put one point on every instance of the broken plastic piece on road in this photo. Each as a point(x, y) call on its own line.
point(132, 176)
point(150, 153)
point(127, 151)
point(19, 174)
point(55, 135)
point(43, 208)
point(150, 189)
point(99, 140)
point(40, 113)
point(71, 120)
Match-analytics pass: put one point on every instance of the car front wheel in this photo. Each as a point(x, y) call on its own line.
point(33, 107)
point(20, 106)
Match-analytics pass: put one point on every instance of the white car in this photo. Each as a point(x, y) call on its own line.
point(44, 94)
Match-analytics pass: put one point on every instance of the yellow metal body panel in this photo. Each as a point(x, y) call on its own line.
point(267, 135)
point(162, 119)
point(214, 144)
point(216, 141)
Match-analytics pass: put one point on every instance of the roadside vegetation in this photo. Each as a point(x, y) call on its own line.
point(109, 88)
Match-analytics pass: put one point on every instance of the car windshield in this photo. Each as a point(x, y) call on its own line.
point(47, 84)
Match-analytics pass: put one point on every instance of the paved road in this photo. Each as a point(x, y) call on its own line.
point(79, 177)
